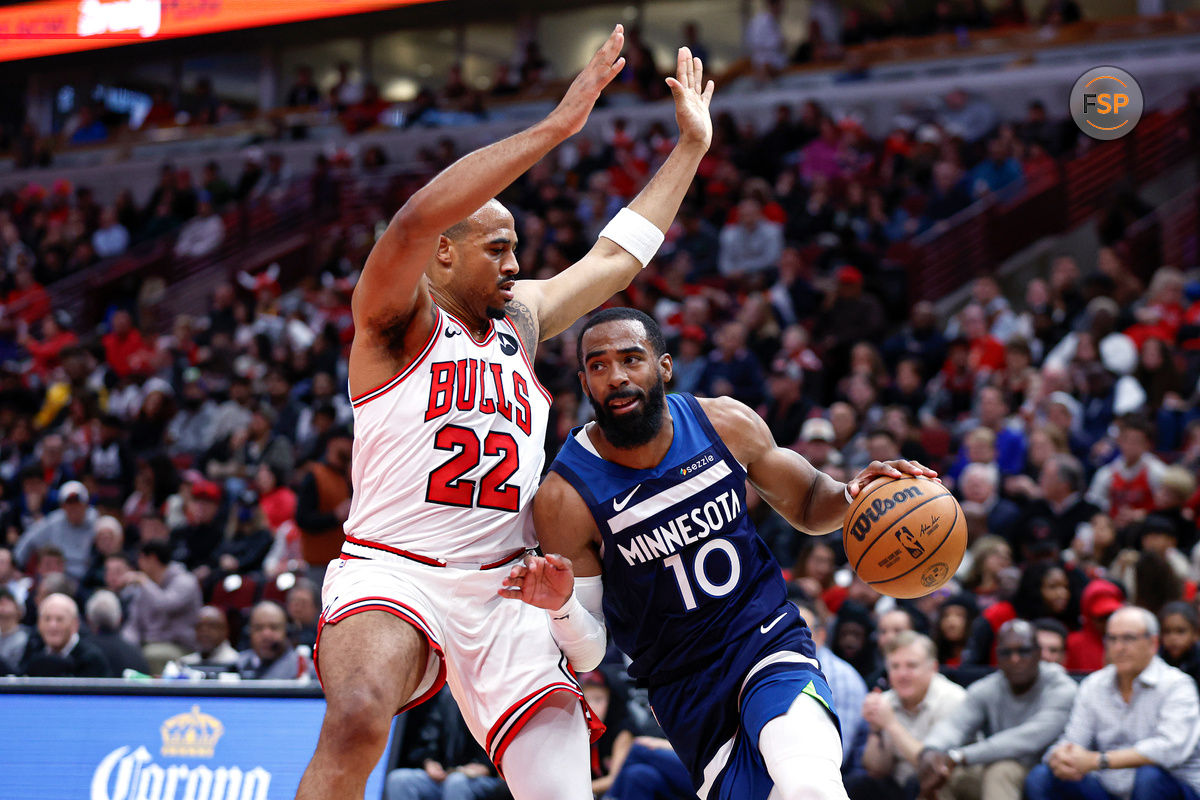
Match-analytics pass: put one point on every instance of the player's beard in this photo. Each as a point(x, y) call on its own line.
point(627, 431)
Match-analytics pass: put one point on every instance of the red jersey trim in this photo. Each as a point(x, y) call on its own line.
point(514, 718)
point(386, 387)
point(433, 562)
point(400, 611)
point(488, 337)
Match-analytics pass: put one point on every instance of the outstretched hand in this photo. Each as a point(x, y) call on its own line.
point(692, 98)
point(542, 581)
point(888, 469)
point(573, 110)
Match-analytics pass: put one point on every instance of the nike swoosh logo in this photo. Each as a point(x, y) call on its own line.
point(451, 332)
point(619, 505)
point(774, 622)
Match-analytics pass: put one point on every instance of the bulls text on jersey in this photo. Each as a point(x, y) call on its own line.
point(475, 383)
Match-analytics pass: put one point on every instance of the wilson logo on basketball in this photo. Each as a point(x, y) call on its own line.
point(879, 507)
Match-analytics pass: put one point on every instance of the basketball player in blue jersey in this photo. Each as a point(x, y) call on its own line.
point(643, 517)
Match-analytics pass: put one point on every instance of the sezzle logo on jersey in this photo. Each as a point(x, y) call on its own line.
point(474, 383)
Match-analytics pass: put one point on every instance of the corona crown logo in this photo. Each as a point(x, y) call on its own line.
point(191, 735)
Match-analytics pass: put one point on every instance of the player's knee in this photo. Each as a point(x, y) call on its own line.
point(357, 717)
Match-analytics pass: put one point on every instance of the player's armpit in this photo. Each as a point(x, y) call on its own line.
point(393, 276)
point(565, 526)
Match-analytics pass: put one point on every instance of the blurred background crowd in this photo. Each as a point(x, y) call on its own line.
point(172, 485)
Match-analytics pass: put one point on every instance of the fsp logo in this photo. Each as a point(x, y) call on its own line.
point(1106, 102)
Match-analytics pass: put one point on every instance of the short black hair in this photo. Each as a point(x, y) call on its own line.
point(157, 548)
point(885, 433)
point(1051, 625)
point(1180, 607)
point(654, 333)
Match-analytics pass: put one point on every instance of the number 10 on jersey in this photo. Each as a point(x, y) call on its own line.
point(706, 584)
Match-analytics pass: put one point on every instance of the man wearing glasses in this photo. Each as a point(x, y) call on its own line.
point(1017, 711)
point(1133, 730)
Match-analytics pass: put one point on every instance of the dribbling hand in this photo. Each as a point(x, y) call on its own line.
point(888, 469)
point(542, 581)
point(692, 98)
point(573, 110)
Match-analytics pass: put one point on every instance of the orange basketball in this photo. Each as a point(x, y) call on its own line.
point(905, 537)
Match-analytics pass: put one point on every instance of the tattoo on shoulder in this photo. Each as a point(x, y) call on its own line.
point(524, 320)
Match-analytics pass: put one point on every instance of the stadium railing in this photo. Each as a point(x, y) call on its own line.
point(979, 238)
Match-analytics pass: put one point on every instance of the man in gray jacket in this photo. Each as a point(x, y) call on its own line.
point(71, 529)
point(1018, 711)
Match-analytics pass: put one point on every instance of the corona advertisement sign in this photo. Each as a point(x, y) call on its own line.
point(159, 748)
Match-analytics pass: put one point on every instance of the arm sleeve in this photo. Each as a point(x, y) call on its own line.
point(578, 627)
point(1030, 738)
point(1178, 727)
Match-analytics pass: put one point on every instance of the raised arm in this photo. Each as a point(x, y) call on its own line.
point(556, 303)
point(807, 498)
point(391, 280)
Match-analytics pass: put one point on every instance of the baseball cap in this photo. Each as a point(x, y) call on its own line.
point(1101, 598)
point(817, 429)
point(206, 490)
point(72, 490)
point(848, 274)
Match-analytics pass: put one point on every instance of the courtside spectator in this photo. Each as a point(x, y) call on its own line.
point(1134, 730)
point(57, 651)
point(271, 656)
point(13, 635)
point(901, 718)
point(103, 614)
point(212, 641)
point(1006, 722)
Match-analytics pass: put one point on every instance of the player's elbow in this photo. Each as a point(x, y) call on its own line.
point(586, 662)
point(587, 654)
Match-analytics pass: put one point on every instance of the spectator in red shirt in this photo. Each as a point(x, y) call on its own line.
point(45, 351)
point(1085, 647)
point(124, 348)
point(985, 352)
point(27, 302)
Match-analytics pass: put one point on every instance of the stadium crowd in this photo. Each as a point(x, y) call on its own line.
point(169, 499)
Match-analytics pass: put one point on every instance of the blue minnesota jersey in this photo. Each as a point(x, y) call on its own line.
point(685, 572)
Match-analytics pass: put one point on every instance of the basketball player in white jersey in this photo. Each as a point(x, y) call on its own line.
point(448, 451)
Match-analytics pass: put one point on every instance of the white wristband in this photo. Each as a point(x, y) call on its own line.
point(640, 237)
point(579, 634)
point(846, 491)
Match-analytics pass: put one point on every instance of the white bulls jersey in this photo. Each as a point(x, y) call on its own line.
point(448, 453)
